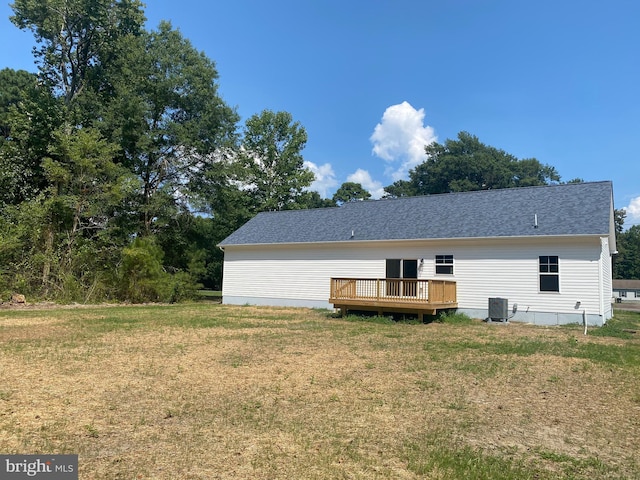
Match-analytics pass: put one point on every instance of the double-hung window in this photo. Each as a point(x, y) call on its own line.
point(549, 273)
point(444, 264)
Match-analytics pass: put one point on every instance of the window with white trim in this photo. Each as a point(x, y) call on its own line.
point(549, 273)
point(444, 264)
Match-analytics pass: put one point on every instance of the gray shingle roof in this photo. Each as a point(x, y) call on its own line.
point(626, 284)
point(571, 209)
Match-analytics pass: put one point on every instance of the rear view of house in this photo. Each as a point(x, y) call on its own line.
point(546, 250)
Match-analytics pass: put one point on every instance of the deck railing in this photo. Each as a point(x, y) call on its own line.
point(394, 290)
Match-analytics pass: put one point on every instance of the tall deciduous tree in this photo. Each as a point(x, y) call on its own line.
point(273, 170)
point(167, 117)
point(468, 164)
point(349, 192)
point(74, 37)
point(151, 93)
point(77, 40)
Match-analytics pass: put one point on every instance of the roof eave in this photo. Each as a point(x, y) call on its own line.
point(399, 240)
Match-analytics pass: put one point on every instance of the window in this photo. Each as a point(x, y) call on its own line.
point(410, 269)
point(549, 274)
point(394, 268)
point(444, 264)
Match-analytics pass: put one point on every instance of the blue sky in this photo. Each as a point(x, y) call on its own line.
point(373, 81)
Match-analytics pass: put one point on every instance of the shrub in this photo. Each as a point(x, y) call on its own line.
point(143, 279)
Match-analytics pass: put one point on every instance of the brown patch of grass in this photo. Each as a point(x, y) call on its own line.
point(243, 392)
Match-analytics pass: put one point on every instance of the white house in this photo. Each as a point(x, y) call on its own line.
point(626, 289)
point(545, 249)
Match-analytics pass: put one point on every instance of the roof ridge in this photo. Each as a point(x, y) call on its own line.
point(471, 192)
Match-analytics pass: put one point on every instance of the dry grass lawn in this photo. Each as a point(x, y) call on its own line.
point(216, 392)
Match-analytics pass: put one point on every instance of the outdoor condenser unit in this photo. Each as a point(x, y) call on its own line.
point(499, 309)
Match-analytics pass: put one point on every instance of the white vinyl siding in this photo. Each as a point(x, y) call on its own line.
point(507, 268)
point(511, 271)
point(293, 273)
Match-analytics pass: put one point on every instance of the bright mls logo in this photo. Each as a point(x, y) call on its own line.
point(49, 467)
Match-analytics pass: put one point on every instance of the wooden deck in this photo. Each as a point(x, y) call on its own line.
point(393, 295)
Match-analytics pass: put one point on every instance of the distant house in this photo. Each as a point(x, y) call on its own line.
point(545, 249)
point(626, 289)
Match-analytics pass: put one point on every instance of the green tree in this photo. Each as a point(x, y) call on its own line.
point(619, 216)
point(312, 199)
point(142, 276)
point(401, 188)
point(273, 171)
point(575, 180)
point(76, 40)
point(468, 164)
point(350, 192)
point(627, 262)
point(151, 93)
point(190, 246)
point(87, 192)
point(21, 231)
point(31, 122)
point(13, 85)
point(265, 172)
point(221, 195)
point(74, 37)
point(168, 119)
point(109, 142)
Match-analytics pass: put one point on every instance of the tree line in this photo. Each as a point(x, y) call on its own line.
point(626, 263)
point(121, 167)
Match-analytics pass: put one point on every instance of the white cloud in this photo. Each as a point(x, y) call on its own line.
point(633, 212)
point(400, 138)
point(363, 177)
point(325, 178)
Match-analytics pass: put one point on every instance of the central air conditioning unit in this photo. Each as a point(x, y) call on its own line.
point(498, 309)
